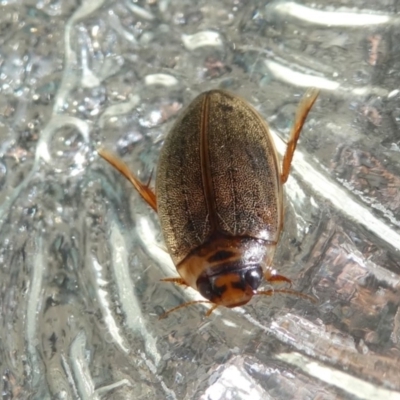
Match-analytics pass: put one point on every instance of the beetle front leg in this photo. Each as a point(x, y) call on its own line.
point(273, 278)
point(303, 109)
point(147, 194)
point(177, 281)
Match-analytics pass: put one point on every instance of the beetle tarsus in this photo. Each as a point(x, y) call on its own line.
point(189, 303)
point(176, 280)
point(271, 292)
point(210, 311)
point(276, 278)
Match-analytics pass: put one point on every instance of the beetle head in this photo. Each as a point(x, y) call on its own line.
point(231, 287)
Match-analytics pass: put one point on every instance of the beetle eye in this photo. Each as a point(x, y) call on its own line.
point(253, 278)
point(205, 288)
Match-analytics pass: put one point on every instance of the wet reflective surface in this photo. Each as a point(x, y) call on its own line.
point(81, 255)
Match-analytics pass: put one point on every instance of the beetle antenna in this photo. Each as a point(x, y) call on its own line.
point(189, 303)
point(286, 291)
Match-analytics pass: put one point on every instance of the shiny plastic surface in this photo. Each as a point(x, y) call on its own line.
point(81, 255)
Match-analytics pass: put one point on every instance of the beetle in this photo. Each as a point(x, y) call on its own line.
point(219, 197)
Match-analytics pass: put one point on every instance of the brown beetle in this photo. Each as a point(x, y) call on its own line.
point(219, 197)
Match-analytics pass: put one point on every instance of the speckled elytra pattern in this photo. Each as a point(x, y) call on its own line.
point(218, 172)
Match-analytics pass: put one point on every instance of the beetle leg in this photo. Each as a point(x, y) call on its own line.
point(303, 109)
point(189, 303)
point(178, 281)
point(270, 277)
point(147, 194)
point(209, 312)
point(150, 178)
point(286, 291)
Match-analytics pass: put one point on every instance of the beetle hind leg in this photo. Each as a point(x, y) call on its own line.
point(303, 109)
point(147, 194)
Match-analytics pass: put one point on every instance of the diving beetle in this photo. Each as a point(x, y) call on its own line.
point(219, 197)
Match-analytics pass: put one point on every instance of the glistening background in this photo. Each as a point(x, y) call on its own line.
point(81, 255)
